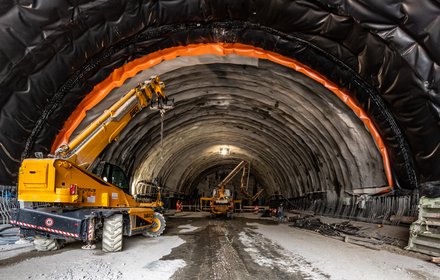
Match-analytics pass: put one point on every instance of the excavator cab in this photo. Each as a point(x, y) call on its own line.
point(113, 174)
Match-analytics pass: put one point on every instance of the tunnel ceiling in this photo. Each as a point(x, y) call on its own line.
point(297, 135)
point(383, 54)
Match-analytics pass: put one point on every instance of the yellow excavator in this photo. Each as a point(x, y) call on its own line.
point(88, 200)
point(222, 202)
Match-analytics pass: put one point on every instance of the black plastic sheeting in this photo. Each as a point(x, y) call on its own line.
point(383, 52)
point(430, 189)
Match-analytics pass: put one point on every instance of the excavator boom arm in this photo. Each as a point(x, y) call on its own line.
point(232, 174)
point(87, 145)
point(244, 180)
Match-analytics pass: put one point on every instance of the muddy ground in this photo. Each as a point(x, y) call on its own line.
point(230, 249)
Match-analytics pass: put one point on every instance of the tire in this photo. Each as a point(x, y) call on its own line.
point(112, 233)
point(158, 226)
point(44, 244)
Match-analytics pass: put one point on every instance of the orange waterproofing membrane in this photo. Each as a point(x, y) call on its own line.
point(129, 70)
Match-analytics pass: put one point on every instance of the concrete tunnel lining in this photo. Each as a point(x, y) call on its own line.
point(198, 102)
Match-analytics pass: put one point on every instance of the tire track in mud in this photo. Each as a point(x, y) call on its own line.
point(229, 249)
point(209, 254)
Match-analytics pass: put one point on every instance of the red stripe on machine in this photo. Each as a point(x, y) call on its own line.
point(45, 229)
point(58, 231)
point(22, 224)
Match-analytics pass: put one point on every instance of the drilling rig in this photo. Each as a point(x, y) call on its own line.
point(222, 201)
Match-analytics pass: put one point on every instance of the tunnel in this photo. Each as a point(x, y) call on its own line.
point(322, 98)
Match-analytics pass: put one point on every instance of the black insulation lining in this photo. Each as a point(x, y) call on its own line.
point(68, 49)
point(202, 34)
point(430, 189)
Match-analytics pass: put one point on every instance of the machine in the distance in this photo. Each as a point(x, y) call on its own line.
point(88, 200)
point(222, 201)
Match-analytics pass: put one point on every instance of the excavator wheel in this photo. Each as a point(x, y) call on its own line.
point(44, 244)
point(158, 226)
point(112, 233)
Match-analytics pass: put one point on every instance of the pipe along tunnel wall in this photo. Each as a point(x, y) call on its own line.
point(300, 138)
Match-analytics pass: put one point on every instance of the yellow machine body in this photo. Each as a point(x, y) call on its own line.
point(222, 202)
point(59, 181)
point(66, 180)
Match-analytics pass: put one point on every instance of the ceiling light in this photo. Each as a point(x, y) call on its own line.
point(224, 151)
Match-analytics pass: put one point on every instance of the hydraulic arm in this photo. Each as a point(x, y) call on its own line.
point(86, 202)
point(244, 180)
point(67, 177)
point(86, 147)
point(222, 202)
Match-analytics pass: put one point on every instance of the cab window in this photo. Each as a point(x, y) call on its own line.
point(118, 178)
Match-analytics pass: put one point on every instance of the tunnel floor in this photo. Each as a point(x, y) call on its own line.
point(231, 249)
point(195, 246)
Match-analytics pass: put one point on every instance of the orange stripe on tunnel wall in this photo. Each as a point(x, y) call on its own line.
point(118, 77)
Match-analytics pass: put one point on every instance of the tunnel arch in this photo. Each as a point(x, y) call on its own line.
point(92, 45)
point(116, 80)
